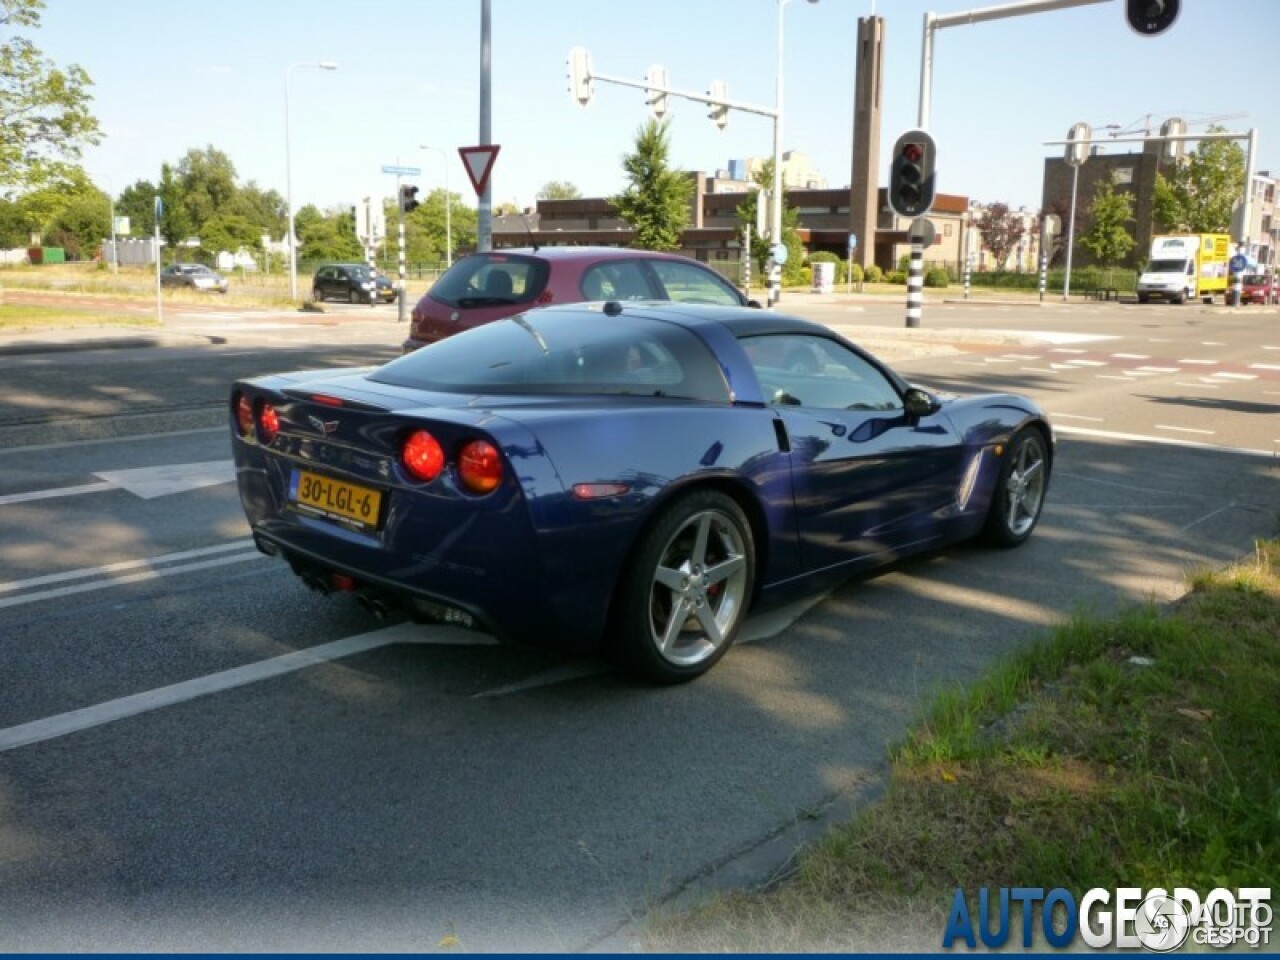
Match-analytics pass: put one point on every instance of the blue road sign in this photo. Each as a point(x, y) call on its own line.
point(1239, 263)
point(403, 171)
point(853, 241)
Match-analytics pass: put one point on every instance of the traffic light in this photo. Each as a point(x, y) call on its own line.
point(1081, 139)
point(580, 87)
point(408, 201)
point(656, 92)
point(719, 112)
point(1149, 17)
point(911, 174)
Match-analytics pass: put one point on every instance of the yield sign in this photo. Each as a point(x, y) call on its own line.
point(479, 164)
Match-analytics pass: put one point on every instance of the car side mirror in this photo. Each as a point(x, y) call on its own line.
point(920, 403)
point(755, 304)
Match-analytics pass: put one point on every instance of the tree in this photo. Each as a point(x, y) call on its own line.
point(328, 236)
point(559, 190)
point(762, 245)
point(1202, 190)
point(1001, 230)
point(137, 202)
point(1107, 239)
point(44, 111)
point(206, 184)
point(656, 203)
point(425, 233)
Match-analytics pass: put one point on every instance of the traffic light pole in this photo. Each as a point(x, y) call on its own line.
point(400, 306)
point(934, 22)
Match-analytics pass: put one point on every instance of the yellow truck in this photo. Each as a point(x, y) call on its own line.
point(1185, 266)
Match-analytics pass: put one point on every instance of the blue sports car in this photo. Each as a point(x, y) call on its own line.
point(624, 477)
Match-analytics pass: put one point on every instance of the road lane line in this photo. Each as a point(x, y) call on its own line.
point(1037, 370)
point(85, 572)
point(1164, 426)
point(1131, 356)
point(1207, 363)
point(1067, 350)
point(76, 491)
point(61, 724)
point(1111, 376)
point(1185, 383)
point(1074, 416)
point(139, 577)
point(1088, 363)
point(1160, 369)
point(1224, 375)
point(1264, 366)
point(1066, 429)
point(1212, 343)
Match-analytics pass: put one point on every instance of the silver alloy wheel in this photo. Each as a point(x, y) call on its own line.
point(699, 589)
point(1024, 488)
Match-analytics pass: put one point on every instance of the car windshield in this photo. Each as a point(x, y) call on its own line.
point(492, 279)
point(1256, 280)
point(1166, 266)
point(565, 354)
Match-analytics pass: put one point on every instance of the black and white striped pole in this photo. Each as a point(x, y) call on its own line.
point(921, 235)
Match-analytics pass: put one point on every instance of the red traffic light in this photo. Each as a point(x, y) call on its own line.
point(913, 152)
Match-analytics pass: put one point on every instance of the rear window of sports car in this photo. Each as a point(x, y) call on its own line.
point(546, 353)
point(492, 280)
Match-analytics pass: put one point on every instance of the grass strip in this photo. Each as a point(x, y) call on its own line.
point(1140, 750)
point(20, 318)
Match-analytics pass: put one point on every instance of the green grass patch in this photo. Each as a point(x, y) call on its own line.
point(19, 318)
point(1139, 750)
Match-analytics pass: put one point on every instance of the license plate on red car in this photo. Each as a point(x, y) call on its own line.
point(349, 504)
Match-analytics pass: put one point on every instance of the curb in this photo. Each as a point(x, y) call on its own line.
point(69, 344)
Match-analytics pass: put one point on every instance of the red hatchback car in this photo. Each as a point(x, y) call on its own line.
point(484, 287)
point(1260, 288)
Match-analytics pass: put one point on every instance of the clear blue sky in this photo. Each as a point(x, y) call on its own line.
point(169, 77)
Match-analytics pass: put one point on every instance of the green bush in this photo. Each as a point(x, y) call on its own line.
point(856, 275)
point(824, 256)
point(874, 274)
point(896, 276)
point(937, 277)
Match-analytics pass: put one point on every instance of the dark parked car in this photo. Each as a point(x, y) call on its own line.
point(353, 282)
point(631, 482)
point(193, 275)
point(485, 287)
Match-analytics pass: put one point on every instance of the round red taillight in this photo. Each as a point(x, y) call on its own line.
point(422, 455)
point(244, 415)
point(268, 423)
point(480, 467)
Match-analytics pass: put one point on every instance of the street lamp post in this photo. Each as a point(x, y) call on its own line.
point(288, 173)
point(775, 201)
point(448, 206)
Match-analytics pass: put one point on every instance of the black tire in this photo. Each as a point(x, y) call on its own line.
point(686, 592)
point(1018, 498)
point(317, 295)
point(1143, 298)
point(1181, 298)
point(353, 296)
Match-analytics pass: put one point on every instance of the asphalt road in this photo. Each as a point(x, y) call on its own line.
point(197, 753)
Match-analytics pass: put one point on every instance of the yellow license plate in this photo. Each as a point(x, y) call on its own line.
point(347, 503)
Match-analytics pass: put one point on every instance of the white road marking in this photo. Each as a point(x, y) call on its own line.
point(1264, 366)
point(1088, 363)
point(1162, 426)
point(145, 482)
point(1074, 416)
point(1008, 357)
point(1000, 359)
point(1109, 376)
point(59, 725)
point(1207, 363)
point(1052, 336)
point(139, 577)
point(1037, 370)
point(1208, 384)
point(1161, 369)
point(76, 491)
point(1140, 373)
point(1063, 366)
point(1212, 343)
point(160, 481)
point(1067, 350)
point(1270, 348)
point(968, 363)
point(1163, 441)
point(1131, 356)
point(1224, 375)
point(85, 572)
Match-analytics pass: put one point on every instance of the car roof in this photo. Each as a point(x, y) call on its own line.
point(740, 321)
point(585, 253)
